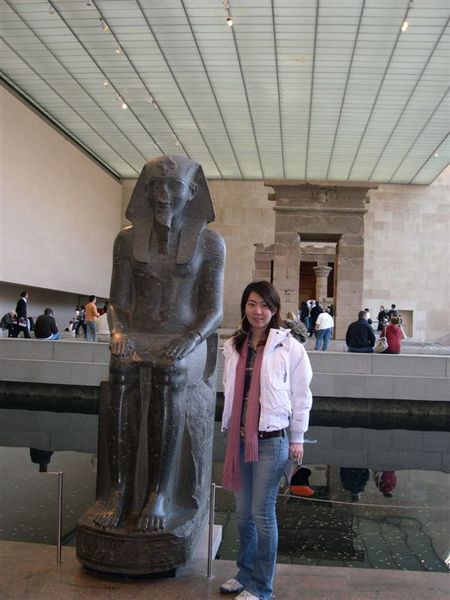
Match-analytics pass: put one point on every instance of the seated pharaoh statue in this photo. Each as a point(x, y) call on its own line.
point(156, 413)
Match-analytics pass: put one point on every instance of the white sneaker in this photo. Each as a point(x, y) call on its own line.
point(232, 586)
point(244, 595)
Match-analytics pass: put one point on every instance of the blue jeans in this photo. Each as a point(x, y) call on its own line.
point(256, 516)
point(91, 332)
point(323, 336)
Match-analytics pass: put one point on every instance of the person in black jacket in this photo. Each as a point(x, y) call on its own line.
point(45, 327)
point(360, 336)
point(315, 312)
point(22, 325)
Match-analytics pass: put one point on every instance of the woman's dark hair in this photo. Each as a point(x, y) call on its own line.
point(270, 296)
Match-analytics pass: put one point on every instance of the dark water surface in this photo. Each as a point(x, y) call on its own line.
point(348, 521)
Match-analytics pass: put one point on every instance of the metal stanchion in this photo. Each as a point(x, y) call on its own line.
point(212, 503)
point(60, 513)
point(60, 516)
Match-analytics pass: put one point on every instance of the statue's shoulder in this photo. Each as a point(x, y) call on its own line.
point(212, 239)
point(125, 235)
point(124, 240)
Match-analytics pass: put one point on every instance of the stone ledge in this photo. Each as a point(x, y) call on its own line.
point(336, 374)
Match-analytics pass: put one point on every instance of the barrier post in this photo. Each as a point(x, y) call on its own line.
point(212, 508)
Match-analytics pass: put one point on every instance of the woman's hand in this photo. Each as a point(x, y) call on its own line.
point(296, 452)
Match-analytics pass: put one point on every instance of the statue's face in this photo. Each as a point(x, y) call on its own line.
point(168, 197)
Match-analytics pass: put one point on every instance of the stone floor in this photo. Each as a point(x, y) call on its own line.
point(30, 571)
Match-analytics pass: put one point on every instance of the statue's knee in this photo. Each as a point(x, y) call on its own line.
point(170, 377)
point(123, 375)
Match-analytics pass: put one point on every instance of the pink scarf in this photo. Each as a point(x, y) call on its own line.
point(231, 471)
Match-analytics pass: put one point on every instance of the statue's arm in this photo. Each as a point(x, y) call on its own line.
point(210, 301)
point(210, 297)
point(121, 294)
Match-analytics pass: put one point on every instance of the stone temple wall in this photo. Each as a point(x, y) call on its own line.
point(407, 254)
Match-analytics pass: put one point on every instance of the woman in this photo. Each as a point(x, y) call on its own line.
point(394, 335)
point(382, 318)
point(266, 411)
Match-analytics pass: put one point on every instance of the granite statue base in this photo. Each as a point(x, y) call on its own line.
point(118, 552)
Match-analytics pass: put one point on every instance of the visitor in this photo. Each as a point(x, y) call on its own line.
point(45, 327)
point(266, 412)
point(92, 315)
point(80, 321)
point(393, 311)
point(103, 333)
point(368, 319)
point(7, 323)
point(315, 312)
point(360, 336)
point(394, 335)
point(382, 318)
point(324, 330)
point(22, 325)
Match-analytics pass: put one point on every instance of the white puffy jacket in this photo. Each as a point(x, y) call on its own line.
point(285, 396)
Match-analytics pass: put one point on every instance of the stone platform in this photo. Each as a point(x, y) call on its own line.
point(30, 571)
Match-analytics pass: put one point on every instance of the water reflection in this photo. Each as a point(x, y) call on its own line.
point(368, 498)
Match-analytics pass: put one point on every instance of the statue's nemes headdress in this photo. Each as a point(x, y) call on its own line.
point(197, 212)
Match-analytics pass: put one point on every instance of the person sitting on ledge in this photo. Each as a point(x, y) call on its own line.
point(360, 336)
point(45, 327)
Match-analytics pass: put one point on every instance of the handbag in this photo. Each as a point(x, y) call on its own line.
point(382, 344)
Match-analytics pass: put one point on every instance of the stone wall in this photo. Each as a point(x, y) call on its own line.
point(59, 210)
point(407, 254)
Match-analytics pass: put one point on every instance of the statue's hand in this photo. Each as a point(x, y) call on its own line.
point(182, 346)
point(121, 345)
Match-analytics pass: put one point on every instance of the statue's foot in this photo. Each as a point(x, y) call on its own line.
point(111, 515)
point(153, 516)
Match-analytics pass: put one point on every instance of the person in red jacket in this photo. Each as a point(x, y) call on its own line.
point(394, 335)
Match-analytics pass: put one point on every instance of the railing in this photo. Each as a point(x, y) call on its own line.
point(212, 501)
point(60, 475)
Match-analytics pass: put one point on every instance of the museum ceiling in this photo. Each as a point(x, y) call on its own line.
point(355, 90)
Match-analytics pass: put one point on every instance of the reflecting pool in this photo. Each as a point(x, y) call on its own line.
point(376, 498)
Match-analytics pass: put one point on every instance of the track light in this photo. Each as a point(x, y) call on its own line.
point(124, 105)
point(105, 83)
point(118, 51)
point(405, 23)
point(104, 25)
point(229, 22)
point(51, 10)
